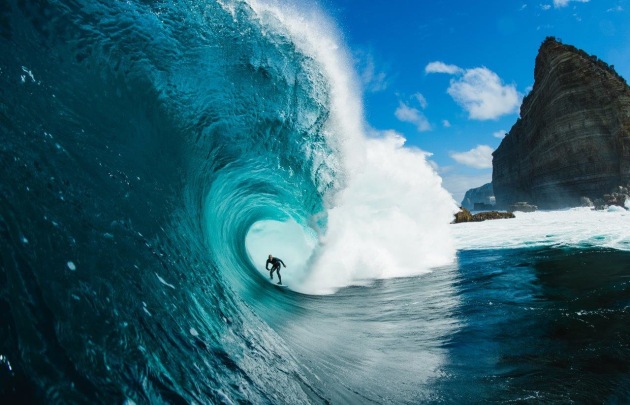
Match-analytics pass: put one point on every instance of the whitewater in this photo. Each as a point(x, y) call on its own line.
point(154, 154)
point(571, 228)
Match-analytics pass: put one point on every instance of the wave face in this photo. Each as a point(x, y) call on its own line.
point(152, 155)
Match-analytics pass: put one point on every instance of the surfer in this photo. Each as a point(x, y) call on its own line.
point(275, 266)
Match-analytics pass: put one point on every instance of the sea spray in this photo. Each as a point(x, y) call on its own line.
point(392, 220)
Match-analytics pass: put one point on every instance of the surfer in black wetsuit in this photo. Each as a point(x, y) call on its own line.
point(275, 266)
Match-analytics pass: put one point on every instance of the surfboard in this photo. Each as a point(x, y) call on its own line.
point(280, 285)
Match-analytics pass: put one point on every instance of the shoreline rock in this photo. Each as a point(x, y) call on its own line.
point(466, 216)
point(618, 196)
point(523, 207)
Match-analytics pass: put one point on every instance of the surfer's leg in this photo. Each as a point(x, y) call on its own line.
point(279, 278)
point(271, 272)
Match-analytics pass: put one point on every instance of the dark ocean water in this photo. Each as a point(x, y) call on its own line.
point(542, 325)
point(139, 144)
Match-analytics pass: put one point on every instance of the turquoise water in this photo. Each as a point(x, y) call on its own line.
point(153, 154)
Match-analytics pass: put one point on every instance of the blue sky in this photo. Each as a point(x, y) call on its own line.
point(450, 75)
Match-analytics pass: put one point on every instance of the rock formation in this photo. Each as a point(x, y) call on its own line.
point(572, 139)
point(465, 216)
point(523, 207)
point(483, 195)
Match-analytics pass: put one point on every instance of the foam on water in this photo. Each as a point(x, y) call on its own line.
point(577, 227)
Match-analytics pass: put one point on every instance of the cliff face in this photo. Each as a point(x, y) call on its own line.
point(483, 194)
point(573, 135)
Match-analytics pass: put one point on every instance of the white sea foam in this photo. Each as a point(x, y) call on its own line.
point(577, 227)
point(391, 216)
point(164, 282)
point(390, 221)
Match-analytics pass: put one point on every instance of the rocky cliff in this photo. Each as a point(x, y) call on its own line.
point(466, 216)
point(483, 195)
point(573, 135)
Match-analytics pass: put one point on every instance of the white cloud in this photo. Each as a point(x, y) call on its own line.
point(499, 134)
point(446, 123)
point(373, 80)
point(483, 95)
point(478, 158)
point(441, 67)
point(414, 116)
point(564, 3)
point(421, 100)
point(617, 9)
point(545, 6)
point(479, 91)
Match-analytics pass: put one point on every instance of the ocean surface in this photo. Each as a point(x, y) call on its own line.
point(152, 155)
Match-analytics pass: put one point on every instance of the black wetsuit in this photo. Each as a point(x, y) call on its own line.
point(275, 266)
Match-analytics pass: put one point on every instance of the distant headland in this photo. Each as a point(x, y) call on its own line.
point(571, 144)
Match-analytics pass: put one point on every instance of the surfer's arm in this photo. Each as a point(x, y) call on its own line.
point(267, 265)
point(282, 263)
